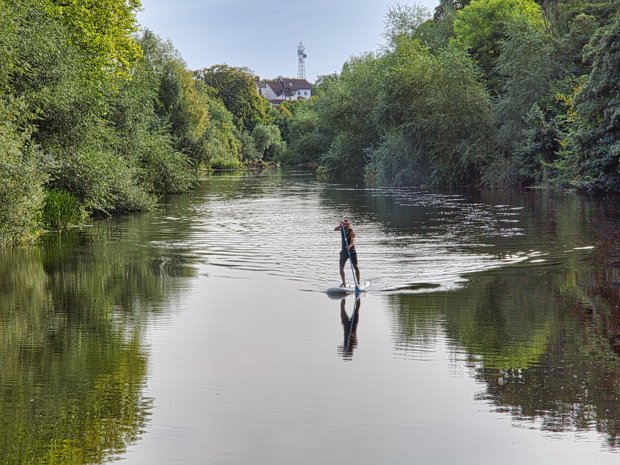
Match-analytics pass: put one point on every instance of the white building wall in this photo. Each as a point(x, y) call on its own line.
point(303, 93)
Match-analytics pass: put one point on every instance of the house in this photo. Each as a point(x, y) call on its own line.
point(285, 89)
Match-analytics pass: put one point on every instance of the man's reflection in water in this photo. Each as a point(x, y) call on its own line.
point(349, 325)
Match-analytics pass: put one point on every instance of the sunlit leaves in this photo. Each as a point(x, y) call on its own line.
point(481, 25)
point(237, 88)
point(103, 29)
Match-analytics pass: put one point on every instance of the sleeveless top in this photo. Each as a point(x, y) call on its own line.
point(349, 235)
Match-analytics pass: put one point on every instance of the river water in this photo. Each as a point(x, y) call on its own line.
point(200, 333)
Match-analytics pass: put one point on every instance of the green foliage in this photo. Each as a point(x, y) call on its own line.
point(593, 150)
point(21, 193)
point(222, 164)
point(447, 7)
point(436, 34)
point(184, 106)
point(268, 142)
point(103, 30)
point(528, 71)
point(409, 116)
point(146, 142)
point(282, 115)
point(305, 140)
point(443, 114)
point(194, 126)
point(61, 209)
point(403, 20)
point(164, 170)
point(237, 89)
point(101, 180)
point(397, 161)
point(345, 107)
point(249, 152)
point(221, 140)
point(482, 25)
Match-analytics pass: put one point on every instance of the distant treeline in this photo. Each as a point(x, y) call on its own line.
point(483, 92)
point(98, 116)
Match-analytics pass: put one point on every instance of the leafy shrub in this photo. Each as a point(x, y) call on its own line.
point(102, 181)
point(165, 171)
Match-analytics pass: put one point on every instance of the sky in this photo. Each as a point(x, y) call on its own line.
point(263, 35)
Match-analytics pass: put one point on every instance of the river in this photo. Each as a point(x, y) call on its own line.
point(201, 333)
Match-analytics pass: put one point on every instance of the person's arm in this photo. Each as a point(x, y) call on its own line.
point(338, 228)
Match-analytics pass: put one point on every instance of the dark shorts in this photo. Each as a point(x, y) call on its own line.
point(344, 256)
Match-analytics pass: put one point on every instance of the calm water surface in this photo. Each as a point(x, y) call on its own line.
point(200, 334)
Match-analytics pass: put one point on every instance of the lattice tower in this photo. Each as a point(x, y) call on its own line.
point(301, 61)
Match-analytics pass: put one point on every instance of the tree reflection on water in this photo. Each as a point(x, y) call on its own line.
point(72, 347)
point(542, 337)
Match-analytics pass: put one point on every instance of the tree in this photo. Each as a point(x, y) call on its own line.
point(529, 73)
point(21, 190)
point(436, 116)
point(237, 89)
point(437, 33)
point(268, 142)
point(222, 144)
point(446, 7)
point(306, 141)
point(591, 159)
point(103, 30)
point(403, 20)
point(345, 108)
point(482, 25)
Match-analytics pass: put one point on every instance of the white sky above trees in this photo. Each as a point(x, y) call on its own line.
point(263, 35)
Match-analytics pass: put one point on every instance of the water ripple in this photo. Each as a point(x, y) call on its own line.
point(425, 241)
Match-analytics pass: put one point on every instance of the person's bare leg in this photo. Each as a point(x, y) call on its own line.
point(342, 277)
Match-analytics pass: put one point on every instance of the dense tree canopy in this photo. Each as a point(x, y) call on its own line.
point(237, 89)
point(482, 25)
point(436, 144)
point(103, 29)
point(593, 152)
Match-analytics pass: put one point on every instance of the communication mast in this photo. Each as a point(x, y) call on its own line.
point(301, 61)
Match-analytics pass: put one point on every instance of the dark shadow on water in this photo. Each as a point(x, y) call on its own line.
point(413, 287)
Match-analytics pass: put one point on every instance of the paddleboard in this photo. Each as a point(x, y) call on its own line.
point(343, 291)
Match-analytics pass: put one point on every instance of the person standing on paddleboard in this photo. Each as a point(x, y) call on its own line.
point(348, 249)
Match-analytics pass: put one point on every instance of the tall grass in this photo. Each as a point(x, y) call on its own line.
point(61, 209)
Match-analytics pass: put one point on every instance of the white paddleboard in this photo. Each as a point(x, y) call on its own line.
point(348, 290)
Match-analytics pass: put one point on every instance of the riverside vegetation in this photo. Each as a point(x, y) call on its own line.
point(485, 92)
point(98, 116)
